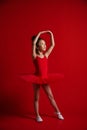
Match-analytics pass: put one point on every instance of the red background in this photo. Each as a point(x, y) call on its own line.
point(18, 22)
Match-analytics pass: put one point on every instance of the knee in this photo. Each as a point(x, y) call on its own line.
point(36, 99)
point(50, 97)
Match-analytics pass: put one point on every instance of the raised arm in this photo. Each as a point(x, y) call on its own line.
point(47, 53)
point(34, 45)
point(35, 41)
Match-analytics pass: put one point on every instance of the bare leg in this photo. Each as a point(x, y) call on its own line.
point(49, 93)
point(36, 99)
point(36, 102)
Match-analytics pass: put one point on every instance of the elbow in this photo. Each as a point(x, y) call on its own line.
point(53, 45)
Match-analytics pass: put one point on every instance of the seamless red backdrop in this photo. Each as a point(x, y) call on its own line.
point(18, 22)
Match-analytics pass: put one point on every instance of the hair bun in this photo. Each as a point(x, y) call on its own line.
point(33, 37)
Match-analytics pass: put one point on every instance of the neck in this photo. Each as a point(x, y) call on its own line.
point(40, 53)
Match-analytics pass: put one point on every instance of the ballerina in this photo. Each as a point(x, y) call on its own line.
point(40, 57)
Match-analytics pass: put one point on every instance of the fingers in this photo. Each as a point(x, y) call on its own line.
point(45, 31)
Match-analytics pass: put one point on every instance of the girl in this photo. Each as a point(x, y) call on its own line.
point(40, 57)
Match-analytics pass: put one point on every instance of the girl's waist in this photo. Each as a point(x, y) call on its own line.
point(42, 75)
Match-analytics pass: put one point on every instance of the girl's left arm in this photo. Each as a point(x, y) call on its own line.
point(47, 53)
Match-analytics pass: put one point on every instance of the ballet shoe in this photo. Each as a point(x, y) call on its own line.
point(59, 115)
point(39, 119)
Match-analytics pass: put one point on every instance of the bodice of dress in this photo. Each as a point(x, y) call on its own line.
point(41, 66)
point(41, 75)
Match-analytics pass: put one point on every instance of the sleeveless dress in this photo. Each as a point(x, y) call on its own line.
point(41, 75)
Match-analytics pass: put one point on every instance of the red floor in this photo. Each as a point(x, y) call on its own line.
point(27, 122)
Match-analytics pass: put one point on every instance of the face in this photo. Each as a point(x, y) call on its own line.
point(42, 45)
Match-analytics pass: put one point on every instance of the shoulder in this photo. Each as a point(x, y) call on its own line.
point(34, 57)
point(46, 55)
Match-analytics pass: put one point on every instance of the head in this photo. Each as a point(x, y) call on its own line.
point(40, 45)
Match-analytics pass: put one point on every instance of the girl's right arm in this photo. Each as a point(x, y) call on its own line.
point(34, 54)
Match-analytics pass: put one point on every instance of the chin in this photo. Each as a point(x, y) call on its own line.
point(44, 49)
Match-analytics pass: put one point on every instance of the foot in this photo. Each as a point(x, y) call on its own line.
point(59, 115)
point(39, 119)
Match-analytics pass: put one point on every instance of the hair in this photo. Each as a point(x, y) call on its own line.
point(37, 45)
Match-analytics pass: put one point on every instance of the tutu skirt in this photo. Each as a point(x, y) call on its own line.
point(35, 79)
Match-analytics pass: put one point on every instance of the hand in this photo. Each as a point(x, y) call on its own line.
point(47, 31)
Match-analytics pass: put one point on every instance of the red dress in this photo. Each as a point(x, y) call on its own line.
point(41, 75)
